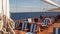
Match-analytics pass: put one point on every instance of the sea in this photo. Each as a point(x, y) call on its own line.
point(19, 16)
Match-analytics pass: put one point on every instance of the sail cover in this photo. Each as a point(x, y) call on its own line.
point(51, 3)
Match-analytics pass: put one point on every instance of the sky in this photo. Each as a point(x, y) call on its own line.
point(30, 5)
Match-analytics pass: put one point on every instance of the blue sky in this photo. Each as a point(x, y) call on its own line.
point(29, 5)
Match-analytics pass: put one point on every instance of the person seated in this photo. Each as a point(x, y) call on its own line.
point(45, 22)
point(29, 19)
point(35, 19)
point(48, 21)
point(40, 19)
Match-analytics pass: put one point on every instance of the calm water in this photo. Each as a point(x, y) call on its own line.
point(17, 16)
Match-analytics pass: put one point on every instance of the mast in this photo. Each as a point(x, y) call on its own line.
point(2, 12)
point(8, 11)
point(5, 8)
point(0, 6)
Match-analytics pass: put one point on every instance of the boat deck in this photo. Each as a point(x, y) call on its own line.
point(40, 29)
point(47, 31)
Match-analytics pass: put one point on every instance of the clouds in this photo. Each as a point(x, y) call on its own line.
point(28, 6)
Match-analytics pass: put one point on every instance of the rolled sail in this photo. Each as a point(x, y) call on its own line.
point(51, 3)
